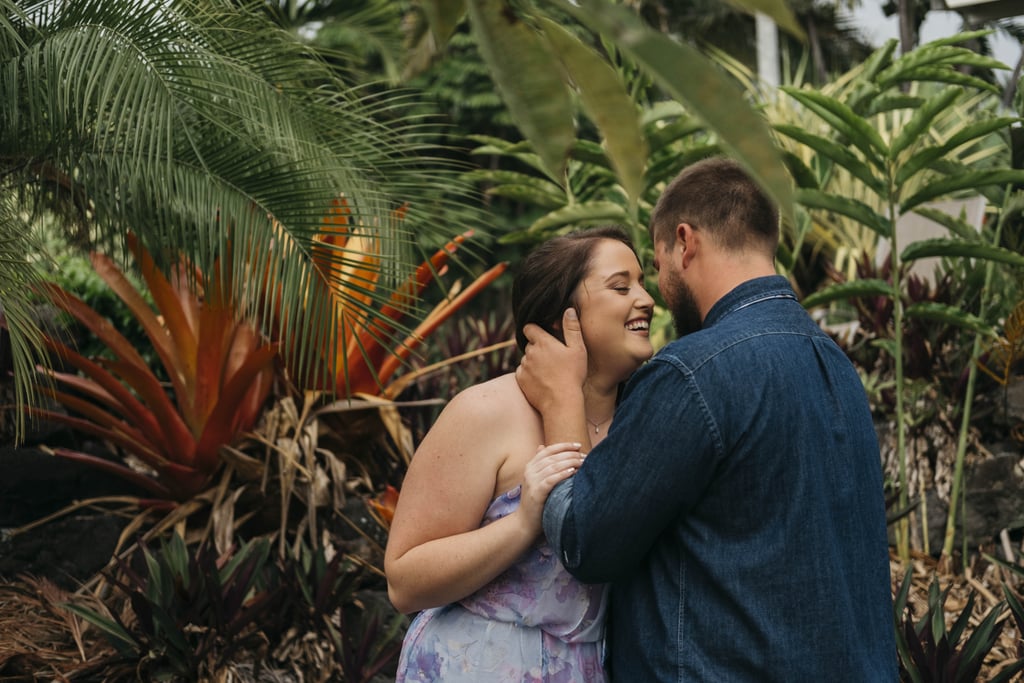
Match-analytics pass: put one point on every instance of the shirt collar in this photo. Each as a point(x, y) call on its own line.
point(747, 293)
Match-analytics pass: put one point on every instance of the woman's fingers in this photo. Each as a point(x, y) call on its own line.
point(550, 465)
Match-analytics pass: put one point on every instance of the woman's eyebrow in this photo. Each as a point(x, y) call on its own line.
point(620, 273)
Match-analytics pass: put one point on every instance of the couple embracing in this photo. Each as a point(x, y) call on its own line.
point(713, 513)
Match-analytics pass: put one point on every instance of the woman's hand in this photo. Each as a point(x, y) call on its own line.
point(550, 465)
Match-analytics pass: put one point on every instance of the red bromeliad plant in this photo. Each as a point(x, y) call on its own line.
point(372, 342)
point(219, 370)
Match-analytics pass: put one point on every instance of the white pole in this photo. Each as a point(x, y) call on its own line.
point(767, 50)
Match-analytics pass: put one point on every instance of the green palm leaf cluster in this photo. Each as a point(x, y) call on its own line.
point(899, 169)
point(191, 122)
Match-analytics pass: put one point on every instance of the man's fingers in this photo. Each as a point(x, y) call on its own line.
point(533, 332)
point(571, 329)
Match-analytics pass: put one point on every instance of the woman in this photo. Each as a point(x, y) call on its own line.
point(465, 547)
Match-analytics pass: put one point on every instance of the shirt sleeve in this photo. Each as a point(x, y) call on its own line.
point(659, 456)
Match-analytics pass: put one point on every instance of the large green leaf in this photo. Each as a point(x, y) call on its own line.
point(530, 81)
point(443, 16)
point(683, 127)
point(940, 74)
point(851, 208)
point(939, 60)
point(844, 121)
point(802, 175)
point(606, 101)
point(954, 224)
point(529, 194)
point(948, 248)
point(590, 213)
point(924, 158)
point(840, 154)
point(948, 315)
point(691, 78)
point(923, 117)
point(970, 180)
point(844, 291)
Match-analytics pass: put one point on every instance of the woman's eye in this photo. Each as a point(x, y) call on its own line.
point(622, 288)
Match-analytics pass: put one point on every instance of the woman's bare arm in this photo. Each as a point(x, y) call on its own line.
point(437, 552)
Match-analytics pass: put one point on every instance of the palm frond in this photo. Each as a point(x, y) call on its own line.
point(17, 275)
point(192, 123)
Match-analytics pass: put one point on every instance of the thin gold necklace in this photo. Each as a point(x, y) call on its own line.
point(597, 425)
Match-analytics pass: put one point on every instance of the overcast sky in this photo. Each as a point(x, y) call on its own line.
point(877, 28)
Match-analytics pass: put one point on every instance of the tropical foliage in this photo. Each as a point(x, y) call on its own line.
point(218, 137)
point(183, 120)
point(373, 344)
point(219, 370)
point(901, 174)
point(531, 39)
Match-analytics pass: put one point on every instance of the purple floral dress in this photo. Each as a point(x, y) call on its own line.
point(534, 623)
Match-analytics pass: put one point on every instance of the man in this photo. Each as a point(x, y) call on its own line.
point(736, 503)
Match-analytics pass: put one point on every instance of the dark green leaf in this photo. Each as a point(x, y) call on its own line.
point(851, 208)
point(540, 104)
point(938, 74)
point(922, 119)
point(606, 101)
point(887, 103)
point(948, 315)
point(844, 291)
point(590, 213)
point(802, 175)
point(844, 121)
point(685, 74)
point(954, 224)
point(529, 194)
point(925, 158)
point(837, 153)
point(970, 180)
point(949, 248)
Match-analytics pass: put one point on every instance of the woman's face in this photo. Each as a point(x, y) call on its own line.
point(615, 311)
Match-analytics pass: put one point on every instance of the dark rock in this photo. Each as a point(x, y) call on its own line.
point(69, 548)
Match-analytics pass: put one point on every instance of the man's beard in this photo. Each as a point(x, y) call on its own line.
point(685, 312)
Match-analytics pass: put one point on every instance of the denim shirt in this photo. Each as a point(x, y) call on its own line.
point(736, 507)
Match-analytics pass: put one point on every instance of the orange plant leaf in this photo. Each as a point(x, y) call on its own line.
point(175, 340)
point(384, 504)
point(227, 418)
point(369, 348)
point(137, 411)
point(441, 313)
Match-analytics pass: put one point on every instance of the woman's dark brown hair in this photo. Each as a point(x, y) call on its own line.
point(547, 278)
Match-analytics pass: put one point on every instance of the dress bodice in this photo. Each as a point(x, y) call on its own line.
point(538, 591)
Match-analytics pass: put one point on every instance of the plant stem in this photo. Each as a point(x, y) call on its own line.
point(965, 418)
point(903, 526)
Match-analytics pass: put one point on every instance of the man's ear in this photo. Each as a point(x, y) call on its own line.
point(688, 241)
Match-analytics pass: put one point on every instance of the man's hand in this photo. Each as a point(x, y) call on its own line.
point(551, 373)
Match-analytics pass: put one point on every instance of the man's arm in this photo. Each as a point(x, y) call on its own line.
point(551, 376)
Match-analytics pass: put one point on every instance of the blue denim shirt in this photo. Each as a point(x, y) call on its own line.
point(736, 506)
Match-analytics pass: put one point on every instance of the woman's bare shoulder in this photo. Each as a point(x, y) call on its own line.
point(495, 397)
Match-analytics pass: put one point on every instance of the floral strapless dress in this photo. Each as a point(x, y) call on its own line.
point(534, 623)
